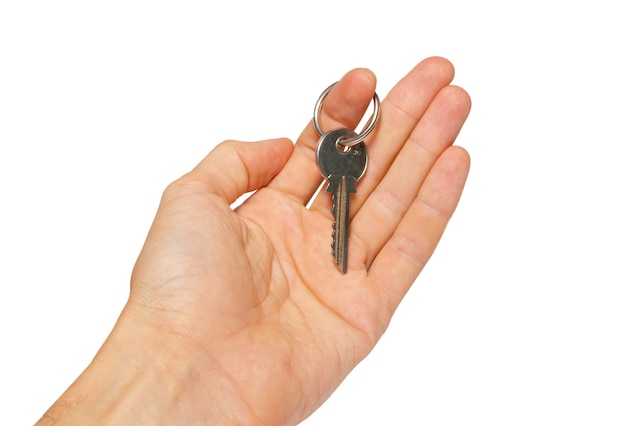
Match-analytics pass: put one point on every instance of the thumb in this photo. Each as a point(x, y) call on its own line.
point(234, 168)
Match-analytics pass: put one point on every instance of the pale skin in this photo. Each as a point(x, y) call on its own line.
point(242, 317)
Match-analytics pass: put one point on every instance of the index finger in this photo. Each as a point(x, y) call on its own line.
point(343, 108)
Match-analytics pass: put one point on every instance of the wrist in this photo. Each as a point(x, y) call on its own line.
point(138, 378)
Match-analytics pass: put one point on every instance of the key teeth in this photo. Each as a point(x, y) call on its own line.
point(333, 244)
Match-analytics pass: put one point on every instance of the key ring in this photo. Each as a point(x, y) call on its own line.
point(347, 142)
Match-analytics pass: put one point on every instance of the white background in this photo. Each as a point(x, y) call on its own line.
point(519, 318)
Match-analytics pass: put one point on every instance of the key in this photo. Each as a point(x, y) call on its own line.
point(342, 168)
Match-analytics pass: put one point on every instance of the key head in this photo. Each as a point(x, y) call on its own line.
point(333, 160)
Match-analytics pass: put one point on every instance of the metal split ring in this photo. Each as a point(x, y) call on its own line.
point(347, 142)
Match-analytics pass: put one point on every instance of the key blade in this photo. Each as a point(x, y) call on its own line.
point(341, 190)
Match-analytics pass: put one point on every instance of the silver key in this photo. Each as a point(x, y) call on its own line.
point(343, 168)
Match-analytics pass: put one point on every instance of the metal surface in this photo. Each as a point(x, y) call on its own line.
point(342, 168)
point(357, 138)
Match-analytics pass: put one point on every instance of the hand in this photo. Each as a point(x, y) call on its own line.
point(242, 316)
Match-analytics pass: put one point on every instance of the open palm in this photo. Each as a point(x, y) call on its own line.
point(253, 295)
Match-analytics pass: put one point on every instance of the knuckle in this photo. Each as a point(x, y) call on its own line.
point(180, 187)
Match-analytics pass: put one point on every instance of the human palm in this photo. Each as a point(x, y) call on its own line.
point(255, 291)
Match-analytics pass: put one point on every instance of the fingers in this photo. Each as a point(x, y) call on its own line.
point(401, 110)
point(343, 108)
point(234, 168)
point(404, 255)
point(389, 201)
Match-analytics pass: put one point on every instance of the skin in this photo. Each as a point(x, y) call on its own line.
point(242, 317)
